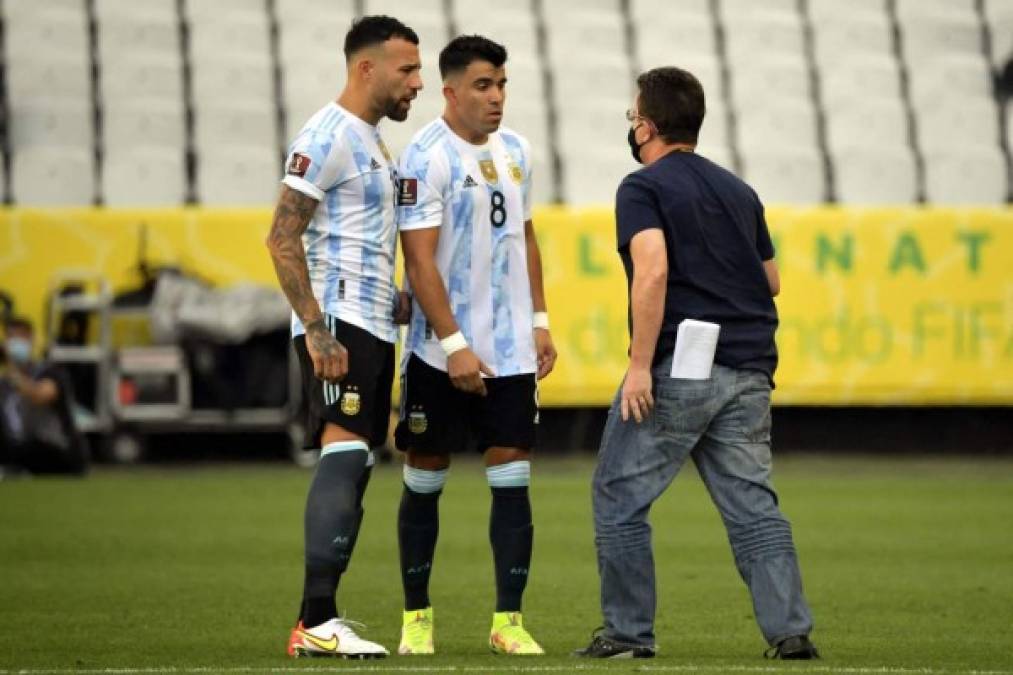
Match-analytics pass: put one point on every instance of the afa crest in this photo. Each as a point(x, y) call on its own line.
point(516, 174)
point(417, 422)
point(351, 403)
point(489, 172)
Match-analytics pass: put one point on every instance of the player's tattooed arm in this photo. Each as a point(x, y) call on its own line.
point(292, 215)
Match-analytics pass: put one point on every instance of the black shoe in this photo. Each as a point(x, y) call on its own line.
point(796, 647)
point(603, 648)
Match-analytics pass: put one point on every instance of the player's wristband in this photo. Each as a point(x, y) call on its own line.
point(453, 343)
point(540, 320)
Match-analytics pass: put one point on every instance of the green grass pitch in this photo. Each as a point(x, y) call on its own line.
point(907, 563)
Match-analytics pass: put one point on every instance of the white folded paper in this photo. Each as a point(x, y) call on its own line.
point(694, 349)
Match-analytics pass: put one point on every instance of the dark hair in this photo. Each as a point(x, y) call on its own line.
point(18, 322)
point(373, 30)
point(464, 49)
point(673, 99)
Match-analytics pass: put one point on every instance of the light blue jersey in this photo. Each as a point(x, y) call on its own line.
point(341, 161)
point(480, 197)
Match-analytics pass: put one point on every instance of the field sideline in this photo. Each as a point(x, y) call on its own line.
point(908, 564)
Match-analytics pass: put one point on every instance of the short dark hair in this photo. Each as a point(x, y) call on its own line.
point(18, 322)
point(374, 30)
point(673, 99)
point(464, 49)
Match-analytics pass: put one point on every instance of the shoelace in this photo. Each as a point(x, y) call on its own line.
point(348, 626)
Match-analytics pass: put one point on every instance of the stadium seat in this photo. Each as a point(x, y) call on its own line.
point(237, 175)
point(543, 177)
point(143, 176)
point(582, 35)
point(303, 43)
point(928, 36)
point(966, 175)
point(719, 154)
point(305, 12)
point(426, 17)
point(222, 11)
point(660, 40)
point(50, 122)
point(144, 122)
point(972, 122)
point(52, 176)
point(529, 118)
point(306, 90)
point(125, 37)
point(142, 77)
point(663, 11)
point(593, 177)
point(246, 78)
point(525, 79)
point(770, 76)
point(845, 38)
point(874, 122)
point(714, 131)
point(41, 76)
point(871, 175)
point(860, 78)
point(118, 10)
point(224, 36)
point(910, 8)
point(15, 9)
point(959, 77)
point(791, 123)
point(999, 15)
point(751, 34)
point(824, 12)
point(235, 123)
point(744, 8)
point(46, 32)
point(593, 76)
point(783, 174)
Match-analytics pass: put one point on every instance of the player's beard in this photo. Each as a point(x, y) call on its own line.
point(396, 111)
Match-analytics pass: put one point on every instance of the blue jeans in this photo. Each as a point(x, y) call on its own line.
point(724, 423)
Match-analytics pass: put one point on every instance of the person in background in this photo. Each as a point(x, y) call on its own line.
point(37, 432)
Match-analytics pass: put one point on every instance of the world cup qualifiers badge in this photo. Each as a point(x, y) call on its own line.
point(351, 404)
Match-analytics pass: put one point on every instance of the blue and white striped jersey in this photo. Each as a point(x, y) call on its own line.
point(341, 161)
point(480, 197)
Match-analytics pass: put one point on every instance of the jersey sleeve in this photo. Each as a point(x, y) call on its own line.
point(636, 210)
point(315, 164)
point(423, 182)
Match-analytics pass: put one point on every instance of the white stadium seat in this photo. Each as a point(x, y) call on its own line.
point(142, 77)
point(960, 77)
point(33, 76)
point(52, 176)
point(248, 78)
point(128, 36)
point(999, 15)
point(661, 40)
point(780, 76)
point(144, 122)
point(824, 12)
point(238, 175)
point(966, 175)
point(973, 122)
point(46, 32)
point(662, 10)
point(235, 123)
point(876, 174)
point(861, 78)
point(50, 122)
point(927, 36)
point(143, 176)
point(876, 122)
point(751, 34)
point(118, 10)
point(223, 11)
point(784, 174)
point(215, 37)
point(791, 123)
point(849, 37)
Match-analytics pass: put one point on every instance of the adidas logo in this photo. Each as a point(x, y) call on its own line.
point(374, 165)
point(469, 181)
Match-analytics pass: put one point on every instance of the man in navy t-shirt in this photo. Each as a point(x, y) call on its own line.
point(695, 245)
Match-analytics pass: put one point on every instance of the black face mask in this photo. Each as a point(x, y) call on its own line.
point(634, 148)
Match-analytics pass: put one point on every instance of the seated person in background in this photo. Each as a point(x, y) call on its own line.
point(37, 432)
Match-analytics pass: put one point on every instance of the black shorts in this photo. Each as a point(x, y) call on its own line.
point(361, 402)
point(438, 419)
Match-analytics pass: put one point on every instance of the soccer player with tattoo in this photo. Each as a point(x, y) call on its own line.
point(479, 334)
point(333, 243)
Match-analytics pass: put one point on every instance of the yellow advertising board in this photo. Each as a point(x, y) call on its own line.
point(878, 306)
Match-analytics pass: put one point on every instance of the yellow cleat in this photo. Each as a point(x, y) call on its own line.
point(417, 632)
point(509, 637)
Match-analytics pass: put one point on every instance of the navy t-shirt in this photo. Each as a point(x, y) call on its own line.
point(717, 239)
